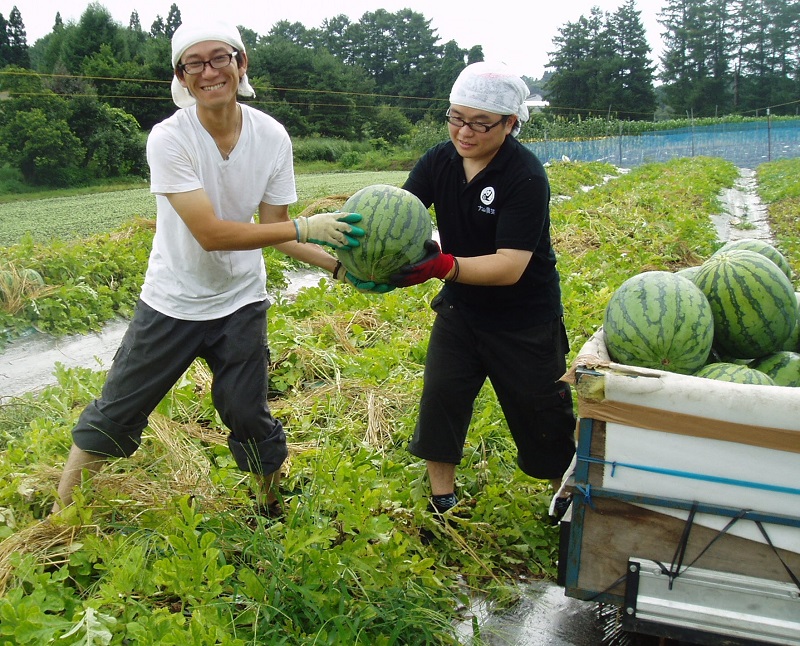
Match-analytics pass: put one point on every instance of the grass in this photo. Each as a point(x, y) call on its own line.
point(780, 191)
point(164, 547)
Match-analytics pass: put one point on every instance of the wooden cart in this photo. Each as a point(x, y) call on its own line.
point(686, 503)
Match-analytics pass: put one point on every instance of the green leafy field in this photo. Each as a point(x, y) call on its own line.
point(164, 547)
point(77, 216)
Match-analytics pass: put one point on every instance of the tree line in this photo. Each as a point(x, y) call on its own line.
point(72, 97)
point(721, 57)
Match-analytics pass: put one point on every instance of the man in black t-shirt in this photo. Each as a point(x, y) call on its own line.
point(499, 314)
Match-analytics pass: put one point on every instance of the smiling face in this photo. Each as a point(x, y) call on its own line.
point(478, 147)
point(213, 87)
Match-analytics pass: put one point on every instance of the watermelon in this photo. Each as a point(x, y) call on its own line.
point(753, 302)
point(762, 247)
point(792, 343)
point(658, 319)
point(32, 277)
point(783, 367)
point(689, 272)
point(396, 225)
point(735, 373)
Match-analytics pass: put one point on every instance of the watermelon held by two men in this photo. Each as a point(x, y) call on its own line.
point(396, 225)
point(753, 301)
point(661, 320)
point(734, 373)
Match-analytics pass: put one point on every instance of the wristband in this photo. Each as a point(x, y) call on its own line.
point(454, 277)
point(335, 272)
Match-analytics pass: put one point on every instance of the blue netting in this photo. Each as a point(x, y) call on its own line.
point(745, 144)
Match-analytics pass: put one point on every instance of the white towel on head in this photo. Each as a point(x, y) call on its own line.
point(494, 88)
point(187, 35)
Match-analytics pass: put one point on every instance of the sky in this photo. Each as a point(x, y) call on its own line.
point(517, 33)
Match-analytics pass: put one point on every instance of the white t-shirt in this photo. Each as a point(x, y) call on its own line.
point(182, 280)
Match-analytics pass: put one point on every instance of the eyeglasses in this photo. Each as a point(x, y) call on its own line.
point(216, 63)
point(472, 125)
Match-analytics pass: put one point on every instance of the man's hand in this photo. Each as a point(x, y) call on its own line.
point(367, 286)
point(434, 264)
point(330, 229)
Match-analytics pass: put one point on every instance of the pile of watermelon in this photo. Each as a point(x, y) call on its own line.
point(734, 318)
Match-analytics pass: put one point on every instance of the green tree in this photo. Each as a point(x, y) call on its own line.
point(583, 63)
point(631, 84)
point(114, 143)
point(173, 21)
point(158, 29)
point(4, 46)
point(44, 149)
point(336, 36)
point(401, 53)
point(134, 86)
point(95, 28)
point(13, 40)
point(699, 40)
point(767, 68)
point(35, 132)
point(58, 140)
point(309, 90)
point(389, 123)
point(293, 32)
point(134, 24)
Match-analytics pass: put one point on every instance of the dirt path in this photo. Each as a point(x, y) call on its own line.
point(744, 216)
point(28, 364)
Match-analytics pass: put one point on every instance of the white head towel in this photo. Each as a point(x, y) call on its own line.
point(492, 87)
point(187, 35)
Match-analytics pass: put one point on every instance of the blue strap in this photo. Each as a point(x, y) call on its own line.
point(695, 476)
point(587, 494)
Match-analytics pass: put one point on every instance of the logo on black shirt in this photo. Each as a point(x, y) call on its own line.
point(487, 195)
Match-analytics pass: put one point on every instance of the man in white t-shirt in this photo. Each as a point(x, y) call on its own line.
point(213, 164)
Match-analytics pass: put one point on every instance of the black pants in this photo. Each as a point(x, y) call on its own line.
point(524, 367)
point(155, 352)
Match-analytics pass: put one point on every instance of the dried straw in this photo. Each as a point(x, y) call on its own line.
point(324, 205)
point(46, 541)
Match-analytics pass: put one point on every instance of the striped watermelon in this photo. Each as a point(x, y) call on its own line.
point(689, 272)
point(660, 320)
point(762, 247)
point(783, 367)
point(735, 373)
point(792, 343)
point(396, 225)
point(752, 300)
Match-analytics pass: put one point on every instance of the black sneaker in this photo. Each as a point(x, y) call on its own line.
point(438, 510)
point(560, 507)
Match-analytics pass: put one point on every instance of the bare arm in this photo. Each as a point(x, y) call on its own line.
point(502, 268)
point(214, 234)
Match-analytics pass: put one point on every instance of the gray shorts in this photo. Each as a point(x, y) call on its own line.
point(524, 367)
point(155, 352)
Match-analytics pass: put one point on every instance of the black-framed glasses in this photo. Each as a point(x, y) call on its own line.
point(216, 63)
point(475, 126)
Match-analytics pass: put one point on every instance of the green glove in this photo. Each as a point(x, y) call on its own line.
point(366, 286)
point(330, 229)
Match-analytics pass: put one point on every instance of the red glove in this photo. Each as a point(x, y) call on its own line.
point(434, 264)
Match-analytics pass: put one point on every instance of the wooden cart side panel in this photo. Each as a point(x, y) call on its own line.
point(612, 531)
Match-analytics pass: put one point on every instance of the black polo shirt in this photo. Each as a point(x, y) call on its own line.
point(506, 206)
